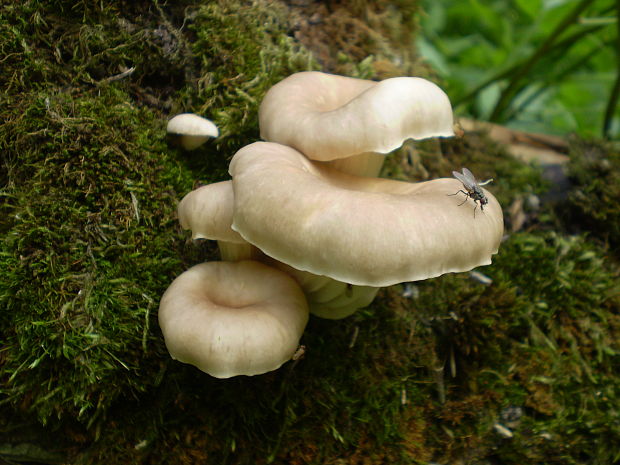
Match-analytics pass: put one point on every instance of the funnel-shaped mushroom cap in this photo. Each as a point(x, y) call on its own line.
point(207, 212)
point(365, 231)
point(327, 117)
point(230, 319)
point(191, 130)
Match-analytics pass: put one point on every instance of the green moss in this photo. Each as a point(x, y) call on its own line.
point(89, 188)
point(542, 337)
point(594, 172)
point(242, 49)
point(90, 242)
point(573, 316)
point(75, 44)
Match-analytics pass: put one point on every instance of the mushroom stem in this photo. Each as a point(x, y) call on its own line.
point(233, 251)
point(367, 164)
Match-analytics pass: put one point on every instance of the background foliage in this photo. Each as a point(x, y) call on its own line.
point(539, 65)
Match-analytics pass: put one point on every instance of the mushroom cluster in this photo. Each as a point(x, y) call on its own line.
point(306, 226)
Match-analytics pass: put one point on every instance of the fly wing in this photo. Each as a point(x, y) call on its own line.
point(470, 176)
point(466, 182)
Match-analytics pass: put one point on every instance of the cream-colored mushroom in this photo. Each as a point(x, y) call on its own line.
point(364, 231)
point(208, 211)
point(190, 130)
point(351, 123)
point(327, 298)
point(233, 318)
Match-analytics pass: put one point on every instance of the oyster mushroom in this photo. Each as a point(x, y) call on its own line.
point(352, 123)
point(364, 231)
point(233, 318)
point(208, 211)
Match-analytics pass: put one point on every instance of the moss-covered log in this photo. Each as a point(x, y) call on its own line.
point(90, 241)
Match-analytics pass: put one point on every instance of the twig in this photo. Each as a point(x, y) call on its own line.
point(118, 77)
point(441, 389)
point(354, 337)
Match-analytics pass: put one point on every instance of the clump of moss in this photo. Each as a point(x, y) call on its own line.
point(573, 318)
point(89, 188)
point(594, 171)
point(368, 39)
point(541, 338)
point(90, 242)
point(82, 44)
point(242, 49)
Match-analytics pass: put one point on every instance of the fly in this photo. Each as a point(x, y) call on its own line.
point(472, 187)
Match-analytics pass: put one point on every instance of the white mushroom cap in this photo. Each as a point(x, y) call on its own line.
point(365, 231)
point(192, 130)
point(208, 211)
point(230, 319)
point(327, 117)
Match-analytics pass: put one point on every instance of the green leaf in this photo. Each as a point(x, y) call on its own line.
point(530, 7)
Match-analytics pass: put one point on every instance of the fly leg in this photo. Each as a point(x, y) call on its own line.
point(466, 196)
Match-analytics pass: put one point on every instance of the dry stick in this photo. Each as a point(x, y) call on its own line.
point(508, 93)
point(615, 91)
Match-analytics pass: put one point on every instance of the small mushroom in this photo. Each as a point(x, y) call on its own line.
point(358, 230)
point(351, 123)
point(208, 211)
point(190, 131)
point(233, 318)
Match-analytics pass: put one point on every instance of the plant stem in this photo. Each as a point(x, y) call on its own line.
point(556, 78)
point(560, 46)
point(509, 92)
point(615, 91)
